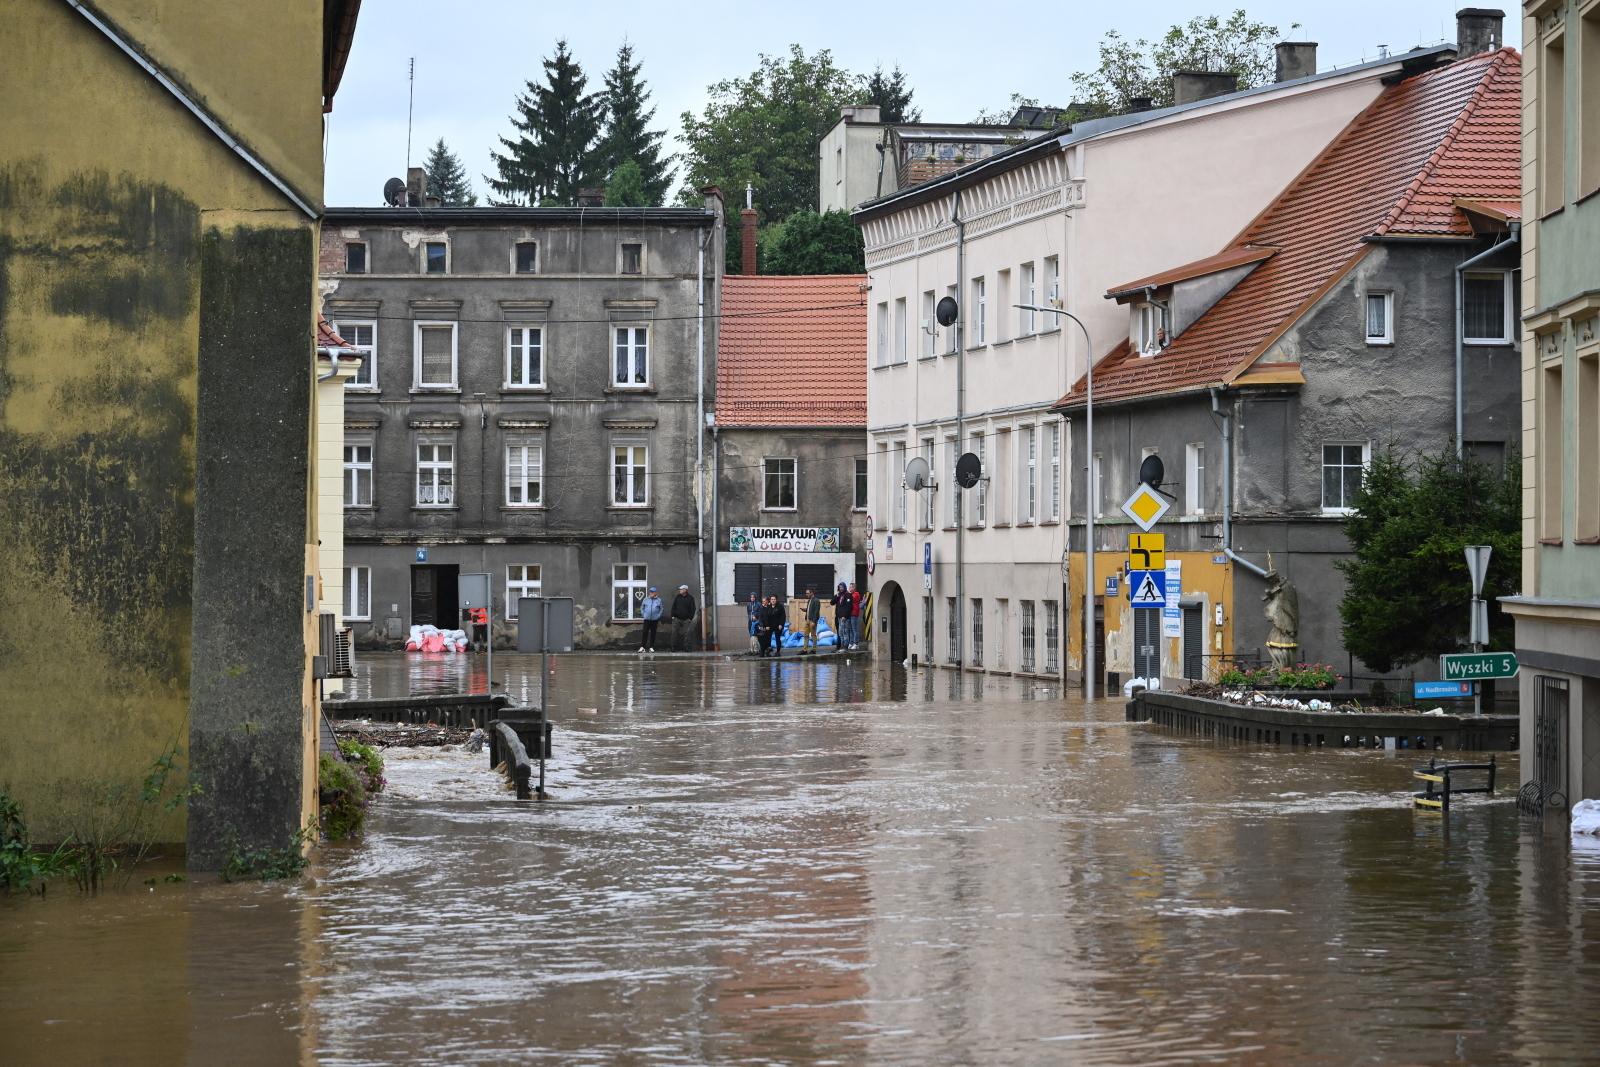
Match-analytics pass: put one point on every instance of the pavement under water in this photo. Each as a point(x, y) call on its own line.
point(822, 863)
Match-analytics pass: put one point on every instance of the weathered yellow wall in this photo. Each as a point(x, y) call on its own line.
point(1203, 580)
point(107, 186)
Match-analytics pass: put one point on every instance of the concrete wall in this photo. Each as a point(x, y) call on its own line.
point(156, 335)
point(577, 297)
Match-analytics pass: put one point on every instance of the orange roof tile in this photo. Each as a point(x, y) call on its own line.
point(1396, 170)
point(1233, 257)
point(793, 350)
point(326, 338)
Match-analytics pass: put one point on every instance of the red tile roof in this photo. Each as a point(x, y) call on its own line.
point(1396, 170)
point(793, 350)
point(1233, 257)
point(326, 338)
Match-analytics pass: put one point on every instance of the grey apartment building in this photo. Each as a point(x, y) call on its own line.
point(531, 405)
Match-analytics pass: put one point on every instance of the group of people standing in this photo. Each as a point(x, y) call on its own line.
point(767, 618)
point(682, 618)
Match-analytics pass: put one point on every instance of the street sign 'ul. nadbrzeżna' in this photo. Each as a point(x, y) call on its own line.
point(1467, 666)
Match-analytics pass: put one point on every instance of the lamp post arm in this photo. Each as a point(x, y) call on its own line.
point(1091, 494)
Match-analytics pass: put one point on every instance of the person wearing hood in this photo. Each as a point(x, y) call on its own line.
point(683, 611)
point(650, 608)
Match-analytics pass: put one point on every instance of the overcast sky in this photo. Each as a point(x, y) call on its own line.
point(474, 56)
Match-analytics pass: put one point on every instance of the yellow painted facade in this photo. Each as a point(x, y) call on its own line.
point(136, 241)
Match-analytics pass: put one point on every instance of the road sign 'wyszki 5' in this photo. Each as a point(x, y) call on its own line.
point(1469, 666)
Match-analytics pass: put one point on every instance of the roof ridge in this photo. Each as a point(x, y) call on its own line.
point(1446, 142)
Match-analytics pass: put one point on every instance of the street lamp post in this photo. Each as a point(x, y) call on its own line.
point(1090, 491)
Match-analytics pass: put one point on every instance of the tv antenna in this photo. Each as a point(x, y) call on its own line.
point(411, 99)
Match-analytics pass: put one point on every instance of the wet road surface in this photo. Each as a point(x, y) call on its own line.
point(812, 863)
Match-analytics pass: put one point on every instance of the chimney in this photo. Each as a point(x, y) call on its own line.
point(416, 182)
point(1140, 103)
point(1189, 86)
point(1478, 30)
point(1296, 59)
point(860, 113)
point(747, 217)
point(591, 198)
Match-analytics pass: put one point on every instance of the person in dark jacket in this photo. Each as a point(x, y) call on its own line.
point(772, 619)
point(683, 609)
point(752, 612)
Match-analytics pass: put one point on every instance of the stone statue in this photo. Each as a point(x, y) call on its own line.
point(1283, 613)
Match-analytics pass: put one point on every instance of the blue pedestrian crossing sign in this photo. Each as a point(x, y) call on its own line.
point(1147, 588)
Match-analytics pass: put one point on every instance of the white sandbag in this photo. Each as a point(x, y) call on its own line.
point(1586, 817)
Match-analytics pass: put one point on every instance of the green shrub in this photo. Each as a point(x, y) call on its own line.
point(371, 763)
point(268, 864)
point(344, 798)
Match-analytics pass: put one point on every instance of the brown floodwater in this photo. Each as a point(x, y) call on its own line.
point(815, 863)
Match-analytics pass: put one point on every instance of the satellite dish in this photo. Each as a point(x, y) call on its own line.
point(1151, 471)
point(394, 192)
point(945, 313)
point(969, 468)
point(918, 476)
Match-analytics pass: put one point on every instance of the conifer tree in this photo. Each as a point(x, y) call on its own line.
point(892, 95)
point(559, 149)
point(447, 178)
point(628, 136)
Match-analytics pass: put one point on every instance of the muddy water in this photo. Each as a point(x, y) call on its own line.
point(809, 863)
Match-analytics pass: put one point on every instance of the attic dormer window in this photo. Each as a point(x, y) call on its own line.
point(1149, 333)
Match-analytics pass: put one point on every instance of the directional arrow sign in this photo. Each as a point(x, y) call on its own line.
point(1469, 666)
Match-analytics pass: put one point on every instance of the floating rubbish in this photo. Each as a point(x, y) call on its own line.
point(588, 711)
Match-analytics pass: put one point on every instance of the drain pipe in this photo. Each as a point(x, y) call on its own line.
point(700, 437)
point(961, 411)
point(1227, 489)
point(1461, 318)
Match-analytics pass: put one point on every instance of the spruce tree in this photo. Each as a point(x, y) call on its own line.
point(447, 178)
point(559, 149)
point(628, 136)
point(892, 95)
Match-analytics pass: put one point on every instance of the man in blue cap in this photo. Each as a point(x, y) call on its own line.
point(651, 609)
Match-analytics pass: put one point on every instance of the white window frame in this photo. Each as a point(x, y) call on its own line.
point(1028, 475)
point(950, 330)
point(1387, 299)
point(358, 471)
point(1096, 486)
point(1194, 479)
point(519, 584)
point(769, 472)
point(369, 353)
point(635, 578)
point(1027, 291)
point(366, 257)
point(1052, 292)
point(521, 341)
point(455, 356)
point(980, 303)
point(952, 453)
point(927, 502)
point(423, 248)
point(634, 350)
point(524, 454)
point(1147, 329)
point(930, 326)
point(980, 501)
point(900, 329)
point(883, 333)
point(897, 477)
point(635, 468)
point(357, 593)
point(434, 465)
point(862, 487)
point(1055, 472)
point(1505, 313)
point(1322, 468)
point(515, 245)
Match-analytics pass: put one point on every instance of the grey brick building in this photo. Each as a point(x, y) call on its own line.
point(532, 406)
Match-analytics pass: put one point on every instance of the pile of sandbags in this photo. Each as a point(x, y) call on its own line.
point(432, 639)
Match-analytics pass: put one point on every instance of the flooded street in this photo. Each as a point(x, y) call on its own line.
point(812, 863)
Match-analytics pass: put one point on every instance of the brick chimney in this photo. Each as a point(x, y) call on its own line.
point(416, 186)
point(1189, 86)
point(1478, 30)
point(1296, 59)
point(747, 218)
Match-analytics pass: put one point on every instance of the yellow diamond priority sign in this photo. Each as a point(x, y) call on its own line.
point(1146, 506)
